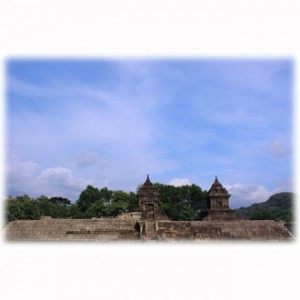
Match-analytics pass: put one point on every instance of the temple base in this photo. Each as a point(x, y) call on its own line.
point(219, 214)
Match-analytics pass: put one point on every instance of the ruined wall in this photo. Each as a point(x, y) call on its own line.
point(224, 230)
point(49, 229)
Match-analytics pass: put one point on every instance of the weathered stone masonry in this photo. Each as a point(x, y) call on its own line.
point(149, 223)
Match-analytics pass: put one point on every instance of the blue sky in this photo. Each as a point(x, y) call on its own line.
point(110, 122)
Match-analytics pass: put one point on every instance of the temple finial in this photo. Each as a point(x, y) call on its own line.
point(148, 179)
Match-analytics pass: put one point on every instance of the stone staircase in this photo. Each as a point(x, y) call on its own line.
point(150, 230)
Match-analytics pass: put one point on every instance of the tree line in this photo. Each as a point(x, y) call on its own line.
point(279, 206)
point(183, 203)
point(178, 203)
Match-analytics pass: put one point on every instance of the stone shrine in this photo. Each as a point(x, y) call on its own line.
point(149, 202)
point(218, 203)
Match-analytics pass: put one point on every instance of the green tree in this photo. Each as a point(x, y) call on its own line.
point(13, 210)
point(119, 204)
point(197, 199)
point(96, 210)
point(53, 208)
point(181, 203)
point(261, 215)
point(22, 208)
point(73, 212)
point(106, 195)
point(133, 202)
point(47, 207)
point(60, 201)
point(87, 197)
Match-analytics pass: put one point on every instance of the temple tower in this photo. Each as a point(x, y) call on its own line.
point(218, 196)
point(218, 203)
point(149, 201)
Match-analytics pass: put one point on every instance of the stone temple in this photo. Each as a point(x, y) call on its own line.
point(149, 202)
point(218, 203)
point(149, 223)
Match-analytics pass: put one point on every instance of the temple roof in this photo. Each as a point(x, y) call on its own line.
point(217, 188)
point(147, 187)
point(148, 182)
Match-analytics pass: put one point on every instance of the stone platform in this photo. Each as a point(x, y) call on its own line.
point(103, 230)
point(224, 230)
point(48, 229)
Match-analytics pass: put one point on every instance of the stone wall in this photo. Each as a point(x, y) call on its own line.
point(49, 229)
point(224, 230)
point(71, 230)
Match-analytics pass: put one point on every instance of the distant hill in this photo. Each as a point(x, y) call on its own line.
point(277, 207)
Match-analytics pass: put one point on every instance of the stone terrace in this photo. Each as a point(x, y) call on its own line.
point(224, 230)
point(49, 229)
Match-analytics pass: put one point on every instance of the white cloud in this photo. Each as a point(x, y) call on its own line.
point(26, 177)
point(247, 194)
point(60, 176)
point(60, 181)
point(179, 181)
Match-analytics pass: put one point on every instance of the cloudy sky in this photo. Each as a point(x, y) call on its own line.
point(110, 122)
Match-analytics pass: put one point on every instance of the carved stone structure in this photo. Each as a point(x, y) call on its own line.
point(148, 223)
point(149, 202)
point(218, 203)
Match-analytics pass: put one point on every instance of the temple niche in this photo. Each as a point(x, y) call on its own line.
point(149, 202)
point(218, 203)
